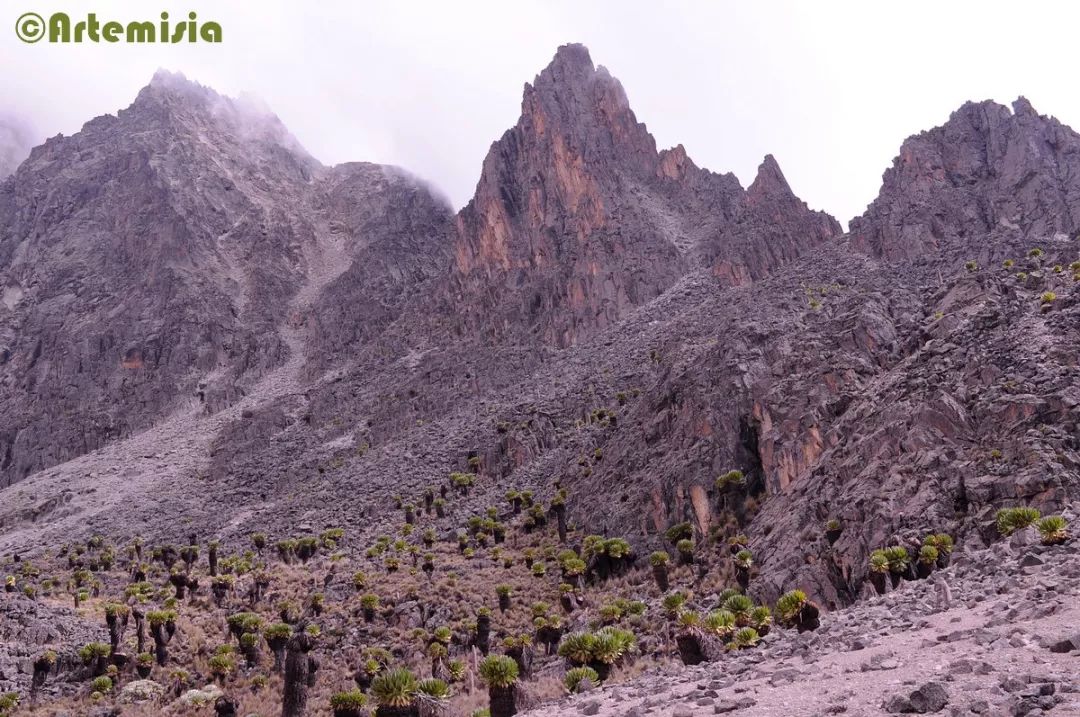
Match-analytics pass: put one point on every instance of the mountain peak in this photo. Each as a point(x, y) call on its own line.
point(573, 57)
point(168, 84)
point(1021, 107)
point(769, 182)
point(988, 168)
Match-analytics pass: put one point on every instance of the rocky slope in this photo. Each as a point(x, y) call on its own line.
point(995, 634)
point(205, 331)
point(148, 263)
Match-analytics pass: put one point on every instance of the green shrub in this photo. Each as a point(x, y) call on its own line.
point(457, 669)
point(720, 622)
point(739, 606)
point(688, 619)
point(1053, 529)
point(1010, 520)
point(498, 671)
point(9, 701)
point(221, 665)
point(351, 700)
point(734, 478)
point(673, 602)
point(580, 679)
point(898, 558)
point(679, 531)
point(790, 605)
point(103, 684)
point(395, 688)
point(434, 689)
point(746, 637)
point(942, 541)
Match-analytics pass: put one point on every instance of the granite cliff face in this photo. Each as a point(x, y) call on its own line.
point(986, 170)
point(577, 218)
point(149, 261)
point(188, 294)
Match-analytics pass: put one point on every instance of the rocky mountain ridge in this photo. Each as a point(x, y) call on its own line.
point(199, 320)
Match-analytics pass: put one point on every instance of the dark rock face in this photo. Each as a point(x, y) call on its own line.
point(577, 218)
point(987, 169)
point(148, 261)
point(399, 238)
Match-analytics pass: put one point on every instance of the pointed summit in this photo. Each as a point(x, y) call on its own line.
point(577, 218)
point(769, 182)
point(587, 108)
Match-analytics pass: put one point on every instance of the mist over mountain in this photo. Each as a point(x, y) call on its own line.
point(16, 139)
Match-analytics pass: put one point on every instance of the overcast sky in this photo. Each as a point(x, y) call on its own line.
point(830, 88)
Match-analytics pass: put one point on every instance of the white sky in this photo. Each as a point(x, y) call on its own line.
point(830, 88)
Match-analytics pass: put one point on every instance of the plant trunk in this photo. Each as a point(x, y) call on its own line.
point(224, 707)
point(603, 669)
point(878, 581)
point(895, 579)
point(143, 670)
point(832, 536)
point(297, 675)
point(742, 577)
point(560, 516)
point(523, 656)
point(660, 574)
point(690, 649)
point(140, 630)
point(277, 647)
point(212, 557)
point(943, 559)
point(117, 625)
point(410, 711)
point(42, 667)
point(348, 712)
point(923, 570)
point(483, 634)
point(503, 701)
point(504, 603)
point(161, 642)
point(809, 617)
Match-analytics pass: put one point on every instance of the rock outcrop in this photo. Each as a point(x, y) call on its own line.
point(577, 218)
point(986, 170)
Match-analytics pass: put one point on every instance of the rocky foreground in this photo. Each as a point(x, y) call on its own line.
point(997, 633)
